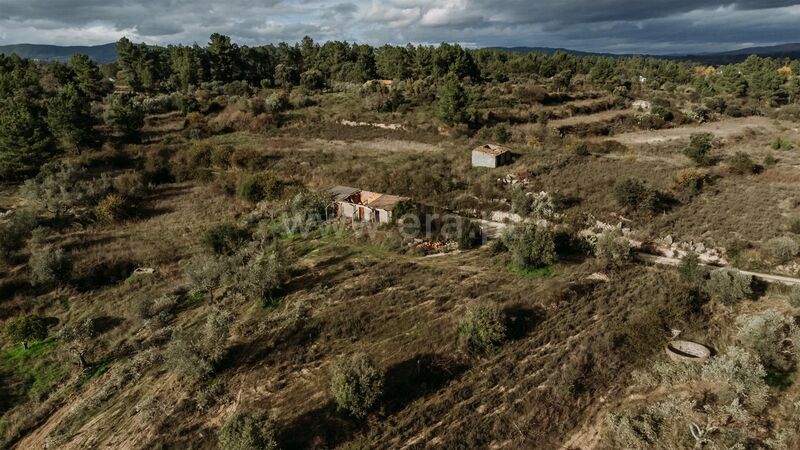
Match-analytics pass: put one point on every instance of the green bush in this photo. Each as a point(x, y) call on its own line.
point(248, 431)
point(483, 328)
point(126, 115)
point(699, 147)
point(766, 335)
point(470, 235)
point(531, 246)
point(781, 144)
point(794, 296)
point(49, 265)
point(195, 357)
point(690, 269)
point(729, 286)
point(225, 238)
point(501, 134)
point(636, 195)
point(263, 271)
point(110, 209)
point(613, 247)
point(26, 329)
point(15, 229)
point(782, 249)
point(259, 187)
point(794, 226)
point(356, 384)
point(741, 163)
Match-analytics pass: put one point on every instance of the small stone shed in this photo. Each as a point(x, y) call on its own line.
point(491, 155)
point(364, 206)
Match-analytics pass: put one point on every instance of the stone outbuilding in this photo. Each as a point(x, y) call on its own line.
point(364, 206)
point(491, 155)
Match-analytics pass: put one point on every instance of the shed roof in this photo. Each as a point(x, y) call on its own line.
point(386, 202)
point(342, 192)
point(492, 149)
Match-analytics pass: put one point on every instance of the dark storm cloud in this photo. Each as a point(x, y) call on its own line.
point(611, 25)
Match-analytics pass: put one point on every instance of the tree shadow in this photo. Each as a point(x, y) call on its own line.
point(10, 288)
point(104, 324)
point(324, 427)
point(83, 244)
point(104, 274)
point(417, 377)
point(522, 320)
point(759, 288)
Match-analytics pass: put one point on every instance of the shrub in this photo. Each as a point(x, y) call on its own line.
point(738, 377)
point(794, 296)
point(126, 115)
point(741, 164)
point(28, 328)
point(225, 238)
point(692, 179)
point(766, 335)
point(636, 195)
point(531, 246)
point(690, 270)
point(581, 149)
point(258, 187)
point(501, 134)
point(540, 205)
point(730, 286)
point(78, 339)
point(62, 187)
point(263, 272)
point(613, 247)
point(49, 265)
point(276, 103)
point(470, 235)
point(782, 249)
point(781, 144)
point(195, 358)
point(483, 328)
point(794, 226)
point(305, 211)
point(14, 231)
point(248, 431)
point(110, 209)
point(699, 146)
point(356, 384)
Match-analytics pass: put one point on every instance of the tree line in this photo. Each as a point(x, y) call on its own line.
point(47, 108)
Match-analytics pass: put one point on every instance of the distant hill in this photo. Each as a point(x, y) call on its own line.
point(552, 50)
point(107, 53)
point(727, 57)
point(735, 56)
point(101, 54)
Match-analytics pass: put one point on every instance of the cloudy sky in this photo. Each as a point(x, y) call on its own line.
point(653, 26)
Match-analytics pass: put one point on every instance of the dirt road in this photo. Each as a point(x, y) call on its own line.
point(722, 128)
point(653, 259)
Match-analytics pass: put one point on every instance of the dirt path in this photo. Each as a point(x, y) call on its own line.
point(662, 260)
point(723, 128)
point(589, 118)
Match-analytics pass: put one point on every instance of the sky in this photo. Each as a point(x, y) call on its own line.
point(617, 26)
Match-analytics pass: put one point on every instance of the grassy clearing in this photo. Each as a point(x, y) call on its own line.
point(34, 366)
point(541, 272)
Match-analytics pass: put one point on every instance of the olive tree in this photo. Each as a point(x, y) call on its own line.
point(483, 328)
point(79, 339)
point(356, 384)
point(531, 246)
point(26, 329)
